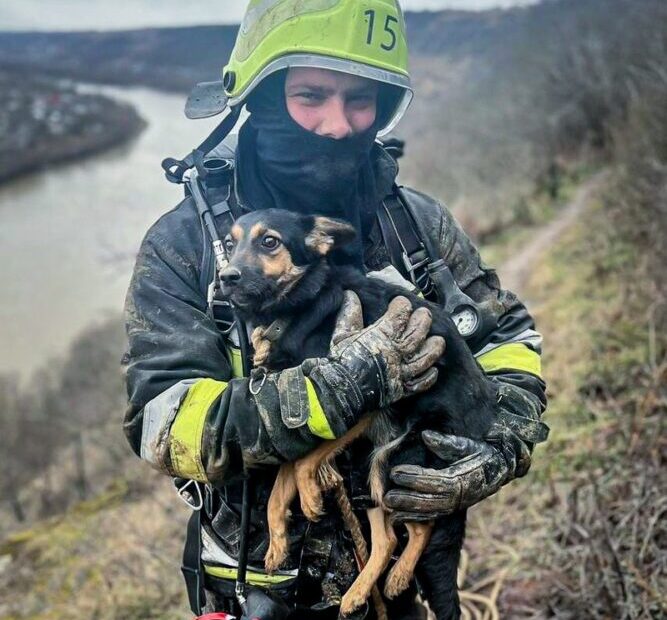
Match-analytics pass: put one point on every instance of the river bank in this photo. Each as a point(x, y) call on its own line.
point(46, 122)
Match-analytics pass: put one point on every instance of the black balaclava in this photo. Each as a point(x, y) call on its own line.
point(283, 165)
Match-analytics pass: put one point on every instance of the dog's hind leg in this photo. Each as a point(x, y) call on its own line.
point(402, 572)
point(383, 543)
point(282, 494)
point(307, 470)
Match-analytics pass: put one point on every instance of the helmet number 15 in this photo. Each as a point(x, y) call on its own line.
point(388, 42)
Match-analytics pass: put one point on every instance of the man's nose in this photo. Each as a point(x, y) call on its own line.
point(335, 124)
point(230, 275)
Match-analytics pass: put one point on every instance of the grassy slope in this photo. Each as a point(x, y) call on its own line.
point(115, 557)
point(580, 536)
point(68, 570)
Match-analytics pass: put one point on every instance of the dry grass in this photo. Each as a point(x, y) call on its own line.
point(585, 535)
point(116, 557)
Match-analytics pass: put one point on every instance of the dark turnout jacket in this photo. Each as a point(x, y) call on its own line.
point(190, 415)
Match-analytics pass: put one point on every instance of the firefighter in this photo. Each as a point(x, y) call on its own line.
point(321, 80)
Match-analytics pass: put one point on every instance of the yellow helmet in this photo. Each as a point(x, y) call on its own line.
point(361, 37)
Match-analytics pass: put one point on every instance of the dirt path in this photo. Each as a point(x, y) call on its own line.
point(515, 271)
point(480, 600)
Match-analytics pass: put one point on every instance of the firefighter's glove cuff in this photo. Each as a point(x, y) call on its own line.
point(373, 367)
point(477, 469)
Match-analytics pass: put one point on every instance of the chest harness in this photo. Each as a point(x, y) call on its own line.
point(210, 183)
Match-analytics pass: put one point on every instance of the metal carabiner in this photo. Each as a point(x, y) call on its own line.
point(255, 390)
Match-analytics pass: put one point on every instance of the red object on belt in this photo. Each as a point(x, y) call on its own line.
point(220, 615)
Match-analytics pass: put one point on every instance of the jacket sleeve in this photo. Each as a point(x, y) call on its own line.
point(187, 416)
point(510, 350)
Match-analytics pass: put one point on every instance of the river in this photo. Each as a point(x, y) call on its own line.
point(68, 236)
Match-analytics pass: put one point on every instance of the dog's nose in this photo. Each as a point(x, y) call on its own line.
point(230, 275)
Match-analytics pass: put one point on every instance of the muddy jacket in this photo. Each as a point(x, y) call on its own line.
point(188, 415)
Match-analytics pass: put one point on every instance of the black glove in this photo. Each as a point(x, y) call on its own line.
point(477, 469)
point(373, 367)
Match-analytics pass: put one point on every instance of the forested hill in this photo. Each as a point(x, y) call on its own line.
point(493, 88)
point(175, 58)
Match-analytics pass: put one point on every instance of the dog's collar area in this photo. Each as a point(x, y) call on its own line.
point(274, 332)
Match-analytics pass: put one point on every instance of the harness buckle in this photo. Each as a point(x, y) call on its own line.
point(411, 267)
point(224, 319)
point(194, 501)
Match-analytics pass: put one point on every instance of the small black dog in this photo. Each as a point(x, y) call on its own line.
point(281, 269)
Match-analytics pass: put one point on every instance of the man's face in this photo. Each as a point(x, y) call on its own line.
point(330, 103)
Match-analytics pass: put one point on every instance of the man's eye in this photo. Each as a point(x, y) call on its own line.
point(361, 101)
point(310, 97)
point(270, 243)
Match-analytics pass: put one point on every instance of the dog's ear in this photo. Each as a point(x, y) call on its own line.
point(328, 233)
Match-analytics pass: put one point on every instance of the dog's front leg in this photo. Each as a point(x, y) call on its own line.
point(315, 468)
point(282, 494)
point(383, 543)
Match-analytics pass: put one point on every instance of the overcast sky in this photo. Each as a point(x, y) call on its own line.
point(105, 15)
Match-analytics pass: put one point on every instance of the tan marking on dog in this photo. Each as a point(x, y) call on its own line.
point(319, 241)
point(401, 573)
point(306, 470)
point(257, 230)
point(282, 494)
point(237, 232)
point(277, 265)
point(383, 543)
point(322, 237)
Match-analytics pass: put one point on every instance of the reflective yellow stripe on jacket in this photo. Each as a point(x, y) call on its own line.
point(253, 578)
point(236, 360)
point(511, 356)
point(317, 421)
point(185, 437)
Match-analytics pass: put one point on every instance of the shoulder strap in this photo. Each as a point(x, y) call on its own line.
point(406, 249)
point(175, 169)
point(218, 309)
point(413, 254)
point(191, 566)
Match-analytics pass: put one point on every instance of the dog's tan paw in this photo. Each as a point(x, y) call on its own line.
point(275, 555)
point(352, 600)
point(327, 477)
point(311, 504)
point(397, 581)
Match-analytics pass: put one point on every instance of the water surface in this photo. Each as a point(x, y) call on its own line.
point(68, 235)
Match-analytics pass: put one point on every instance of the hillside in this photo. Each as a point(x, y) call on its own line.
point(481, 128)
point(547, 127)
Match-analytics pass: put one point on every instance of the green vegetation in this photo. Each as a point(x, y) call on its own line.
point(584, 535)
point(114, 558)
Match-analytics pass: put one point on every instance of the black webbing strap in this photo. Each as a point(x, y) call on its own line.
point(406, 249)
point(192, 568)
point(174, 169)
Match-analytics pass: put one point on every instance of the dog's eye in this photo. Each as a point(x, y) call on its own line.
point(229, 245)
point(270, 243)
